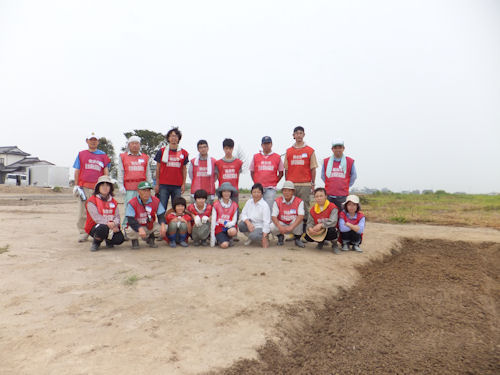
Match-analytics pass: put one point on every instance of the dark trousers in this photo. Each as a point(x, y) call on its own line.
point(351, 237)
point(169, 192)
point(331, 235)
point(337, 201)
point(100, 232)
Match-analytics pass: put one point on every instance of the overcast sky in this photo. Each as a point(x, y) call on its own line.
point(413, 87)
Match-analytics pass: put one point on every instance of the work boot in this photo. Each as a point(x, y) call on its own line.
point(356, 247)
point(95, 245)
point(151, 241)
point(299, 243)
point(83, 237)
point(109, 244)
point(281, 240)
point(345, 246)
point(319, 246)
point(135, 244)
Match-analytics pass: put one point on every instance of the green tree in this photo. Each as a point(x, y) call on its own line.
point(151, 141)
point(106, 146)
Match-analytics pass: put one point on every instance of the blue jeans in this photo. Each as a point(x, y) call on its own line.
point(169, 192)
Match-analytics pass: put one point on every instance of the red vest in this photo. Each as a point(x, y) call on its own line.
point(171, 172)
point(106, 209)
point(201, 179)
point(288, 212)
point(265, 169)
point(342, 215)
point(223, 215)
point(91, 168)
point(208, 210)
point(141, 211)
point(134, 169)
point(323, 215)
point(229, 171)
point(338, 184)
point(173, 215)
point(299, 164)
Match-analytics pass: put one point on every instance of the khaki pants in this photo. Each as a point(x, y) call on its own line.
point(82, 210)
point(133, 235)
point(304, 193)
point(297, 230)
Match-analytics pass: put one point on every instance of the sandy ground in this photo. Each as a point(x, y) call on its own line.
point(66, 310)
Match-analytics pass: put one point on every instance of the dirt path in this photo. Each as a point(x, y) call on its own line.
point(188, 311)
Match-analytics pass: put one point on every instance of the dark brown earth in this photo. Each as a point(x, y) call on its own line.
point(431, 308)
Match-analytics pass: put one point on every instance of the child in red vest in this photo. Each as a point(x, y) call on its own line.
point(201, 212)
point(179, 223)
point(224, 216)
point(202, 172)
point(229, 167)
point(351, 224)
point(322, 221)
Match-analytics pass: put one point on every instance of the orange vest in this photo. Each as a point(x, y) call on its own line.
point(134, 169)
point(299, 164)
point(201, 179)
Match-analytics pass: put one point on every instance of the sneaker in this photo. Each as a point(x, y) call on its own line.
point(172, 244)
point(135, 244)
point(196, 243)
point(83, 237)
point(183, 244)
point(357, 248)
point(248, 242)
point(345, 246)
point(281, 240)
point(319, 246)
point(95, 246)
point(204, 243)
point(336, 250)
point(299, 243)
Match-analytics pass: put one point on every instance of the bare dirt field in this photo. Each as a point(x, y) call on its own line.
point(431, 308)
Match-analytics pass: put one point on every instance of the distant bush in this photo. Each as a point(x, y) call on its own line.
point(57, 189)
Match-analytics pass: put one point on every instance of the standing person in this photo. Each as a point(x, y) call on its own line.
point(103, 215)
point(322, 221)
point(201, 212)
point(133, 167)
point(351, 224)
point(255, 218)
point(224, 216)
point(338, 173)
point(267, 168)
point(89, 165)
point(287, 216)
point(300, 168)
point(229, 167)
point(142, 212)
point(202, 172)
point(171, 168)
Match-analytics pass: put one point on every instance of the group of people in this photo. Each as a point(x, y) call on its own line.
point(213, 215)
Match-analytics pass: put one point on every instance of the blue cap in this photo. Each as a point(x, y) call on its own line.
point(267, 139)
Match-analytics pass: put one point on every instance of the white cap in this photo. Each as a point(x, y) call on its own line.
point(134, 138)
point(288, 185)
point(92, 135)
point(337, 142)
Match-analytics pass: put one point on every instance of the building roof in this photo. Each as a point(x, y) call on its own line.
point(22, 164)
point(14, 150)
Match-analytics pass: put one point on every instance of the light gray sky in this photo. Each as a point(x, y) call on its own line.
point(413, 87)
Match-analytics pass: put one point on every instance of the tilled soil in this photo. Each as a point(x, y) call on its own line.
point(431, 308)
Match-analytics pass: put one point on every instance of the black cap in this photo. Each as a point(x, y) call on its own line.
point(266, 139)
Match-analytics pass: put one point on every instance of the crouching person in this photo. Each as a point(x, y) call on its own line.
point(351, 224)
point(255, 218)
point(141, 213)
point(322, 221)
point(201, 212)
point(103, 218)
point(179, 223)
point(224, 217)
point(287, 215)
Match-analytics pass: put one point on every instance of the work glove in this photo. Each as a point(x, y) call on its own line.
point(204, 219)
point(197, 221)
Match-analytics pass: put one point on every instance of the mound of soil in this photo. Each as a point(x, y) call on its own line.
point(430, 308)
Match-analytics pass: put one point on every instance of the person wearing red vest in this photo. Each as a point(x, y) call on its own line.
point(351, 224)
point(133, 167)
point(142, 212)
point(229, 167)
point(267, 169)
point(202, 172)
point(89, 165)
point(224, 216)
point(171, 168)
point(300, 168)
point(201, 211)
point(287, 215)
point(179, 223)
point(322, 221)
point(338, 173)
point(103, 215)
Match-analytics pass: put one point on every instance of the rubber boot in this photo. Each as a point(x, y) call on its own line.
point(298, 241)
point(281, 240)
point(95, 245)
point(151, 241)
point(135, 244)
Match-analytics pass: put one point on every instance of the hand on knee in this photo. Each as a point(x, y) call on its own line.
point(232, 232)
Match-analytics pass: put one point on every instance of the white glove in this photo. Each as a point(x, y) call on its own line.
point(204, 219)
point(123, 190)
point(197, 221)
point(75, 191)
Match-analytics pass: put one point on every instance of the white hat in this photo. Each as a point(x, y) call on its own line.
point(288, 185)
point(92, 135)
point(352, 198)
point(134, 138)
point(337, 142)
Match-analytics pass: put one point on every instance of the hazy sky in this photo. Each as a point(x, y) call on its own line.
point(413, 87)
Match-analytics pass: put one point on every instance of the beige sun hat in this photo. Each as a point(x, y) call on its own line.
point(352, 198)
point(317, 237)
point(288, 185)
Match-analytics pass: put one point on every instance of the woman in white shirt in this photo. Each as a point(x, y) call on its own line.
point(255, 219)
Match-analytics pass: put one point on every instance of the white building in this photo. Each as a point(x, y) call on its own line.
point(14, 165)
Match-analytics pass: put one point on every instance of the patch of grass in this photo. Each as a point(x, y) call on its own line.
point(4, 249)
point(398, 219)
point(131, 280)
point(57, 189)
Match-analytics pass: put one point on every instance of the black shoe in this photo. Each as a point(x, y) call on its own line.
point(281, 240)
point(109, 245)
point(319, 246)
point(151, 241)
point(205, 242)
point(95, 246)
point(135, 244)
